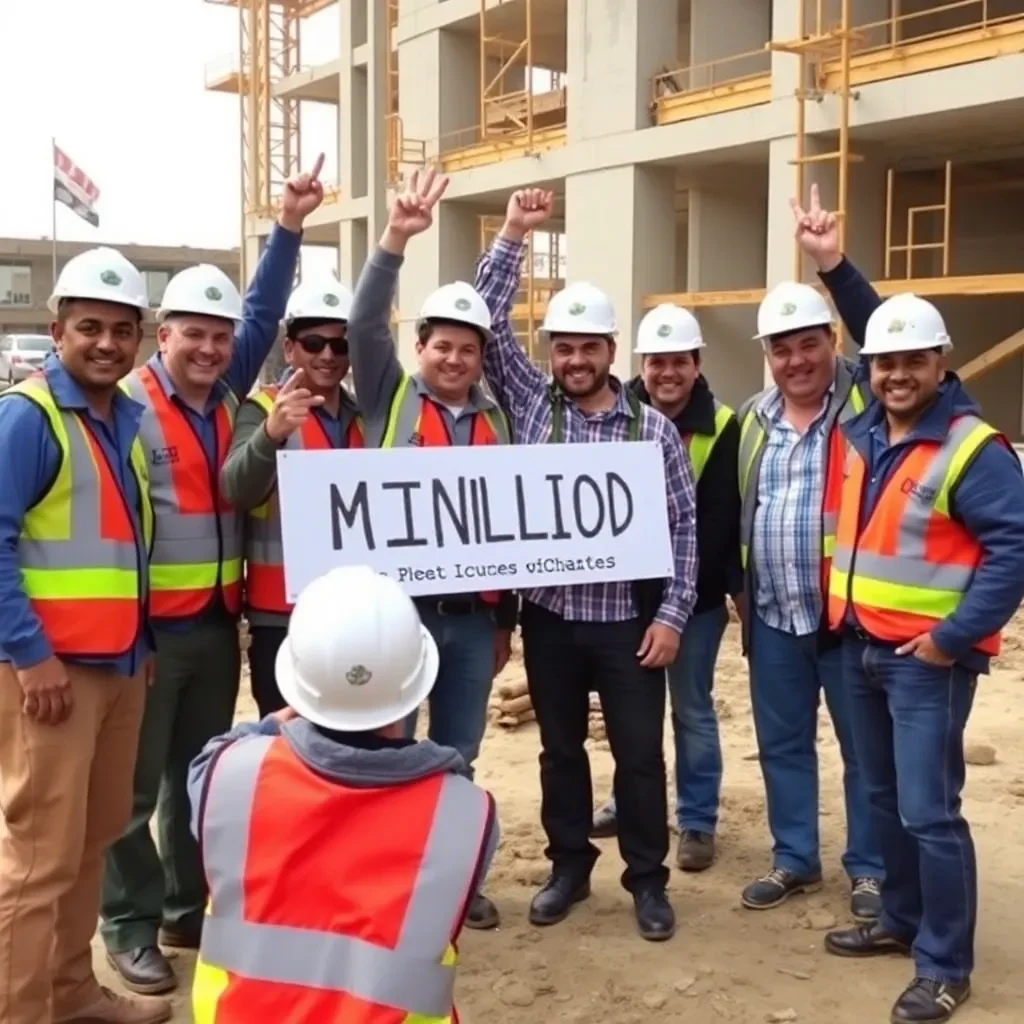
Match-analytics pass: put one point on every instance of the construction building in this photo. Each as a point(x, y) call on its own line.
point(26, 278)
point(674, 133)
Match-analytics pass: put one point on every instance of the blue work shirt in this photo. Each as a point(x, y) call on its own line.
point(262, 312)
point(29, 460)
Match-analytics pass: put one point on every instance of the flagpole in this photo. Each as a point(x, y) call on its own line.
point(53, 207)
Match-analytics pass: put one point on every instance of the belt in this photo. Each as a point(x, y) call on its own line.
point(452, 605)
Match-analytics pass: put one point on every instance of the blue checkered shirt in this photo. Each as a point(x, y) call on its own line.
point(522, 391)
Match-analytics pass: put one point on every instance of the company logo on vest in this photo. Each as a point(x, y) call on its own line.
point(919, 491)
point(164, 456)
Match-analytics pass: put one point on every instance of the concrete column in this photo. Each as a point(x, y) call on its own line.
point(785, 27)
point(458, 93)
point(728, 28)
point(376, 116)
point(622, 225)
point(353, 248)
point(609, 93)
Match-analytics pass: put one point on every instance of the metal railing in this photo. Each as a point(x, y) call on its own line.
point(712, 74)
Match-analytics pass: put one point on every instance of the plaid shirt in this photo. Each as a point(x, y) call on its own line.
point(522, 391)
point(787, 524)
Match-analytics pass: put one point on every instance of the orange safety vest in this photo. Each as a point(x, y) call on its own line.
point(320, 908)
point(264, 552)
point(908, 567)
point(83, 568)
point(198, 545)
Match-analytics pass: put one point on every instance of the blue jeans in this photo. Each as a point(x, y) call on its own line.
point(691, 680)
point(787, 675)
point(458, 702)
point(908, 720)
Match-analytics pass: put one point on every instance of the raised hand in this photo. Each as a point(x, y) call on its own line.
point(527, 209)
point(412, 212)
point(817, 232)
point(291, 408)
point(302, 195)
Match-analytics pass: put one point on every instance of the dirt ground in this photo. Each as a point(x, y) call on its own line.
point(727, 963)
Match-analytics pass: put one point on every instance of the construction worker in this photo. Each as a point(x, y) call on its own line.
point(669, 343)
point(386, 837)
point(790, 471)
point(612, 638)
point(76, 524)
point(309, 409)
point(211, 348)
point(438, 406)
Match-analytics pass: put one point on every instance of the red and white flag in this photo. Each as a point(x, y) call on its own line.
point(74, 188)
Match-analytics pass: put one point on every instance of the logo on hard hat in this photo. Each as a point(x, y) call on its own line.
point(214, 294)
point(577, 308)
point(897, 326)
point(664, 331)
point(358, 675)
point(111, 277)
point(788, 309)
point(462, 304)
point(330, 299)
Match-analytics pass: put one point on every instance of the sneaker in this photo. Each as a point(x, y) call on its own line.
point(696, 850)
point(925, 1001)
point(113, 1008)
point(776, 887)
point(866, 899)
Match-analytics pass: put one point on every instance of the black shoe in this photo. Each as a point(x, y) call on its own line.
point(928, 1002)
point(776, 887)
point(696, 850)
point(181, 938)
point(554, 901)
point(483, 914)
point(866, 940)
point(144, 970)
point(866, 900)
point(605, 823)
point(655, 918)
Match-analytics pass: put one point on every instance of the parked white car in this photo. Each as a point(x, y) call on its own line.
point(21, 355)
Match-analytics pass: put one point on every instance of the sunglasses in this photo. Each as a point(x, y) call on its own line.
point(314, 344)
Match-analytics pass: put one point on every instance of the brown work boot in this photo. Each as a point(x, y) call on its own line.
point(696, 850)
point(112, 1008)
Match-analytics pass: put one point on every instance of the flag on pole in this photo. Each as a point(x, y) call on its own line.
point(74, 188)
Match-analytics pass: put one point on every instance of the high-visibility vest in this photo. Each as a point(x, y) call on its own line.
point(908, 567)
point(752, 438)
point(198, 545)
point(700, 446)
point(264, 552)
point(331, 902)
point(82, 565)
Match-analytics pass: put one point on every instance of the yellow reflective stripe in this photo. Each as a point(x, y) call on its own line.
point(749, 422)
point(263, 400)
point(896, 597)
point(828, 544)
point(857, 399)
point(743, 555)
point(137, 458)
point(974, 440)
point(77, 584)
point(196, 576)
point(208, 985)
point(231, 570)
point(395, 412)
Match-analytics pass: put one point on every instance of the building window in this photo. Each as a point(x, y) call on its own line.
point(156, 283)
point(15, 284)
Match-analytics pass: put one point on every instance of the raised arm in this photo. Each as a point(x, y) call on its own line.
point(514, 380)
point(376, 369)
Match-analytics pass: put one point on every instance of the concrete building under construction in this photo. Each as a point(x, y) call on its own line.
point(674, 133)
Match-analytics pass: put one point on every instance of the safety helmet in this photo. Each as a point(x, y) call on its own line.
point(460, 303)
point(580, 308)
point(319, 299)
point(102, 274)
point(668, 328)
point(356, 656)
point(791, 306)
point(905, 323)
point(203, 289)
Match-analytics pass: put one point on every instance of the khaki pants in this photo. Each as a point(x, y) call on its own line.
point(66, 795)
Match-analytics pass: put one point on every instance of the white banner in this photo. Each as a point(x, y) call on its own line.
point(453, 520)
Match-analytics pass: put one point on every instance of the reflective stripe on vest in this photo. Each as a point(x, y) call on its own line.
point(700, 446)
point(752, 438)
point(414, 421)
point(372, 925)
point(909, 566)
point(198, 545)
point(264, 552)
point(78, 551)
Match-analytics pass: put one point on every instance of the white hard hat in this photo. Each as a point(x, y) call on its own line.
point(356, 656)
point(668, 328)
point(580, 308)
point(102, 274)
point(791, 306)
point(203, 289)
point(905, 323)
point(459, 302)
point(319, 299)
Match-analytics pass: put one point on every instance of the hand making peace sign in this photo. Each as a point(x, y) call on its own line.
point(412, 211)
point(817, 231)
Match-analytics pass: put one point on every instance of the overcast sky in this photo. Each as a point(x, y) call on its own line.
point(120, 84)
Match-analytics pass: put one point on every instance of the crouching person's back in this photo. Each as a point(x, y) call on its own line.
point(341, 858)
